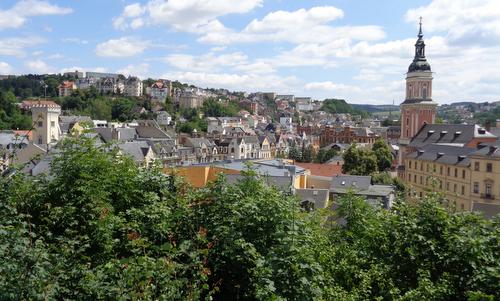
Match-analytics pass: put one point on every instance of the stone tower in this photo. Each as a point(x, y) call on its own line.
point(45, 115)
point(418, 108)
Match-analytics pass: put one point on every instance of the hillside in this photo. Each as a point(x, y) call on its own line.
point(375, 108)
point(341, 106)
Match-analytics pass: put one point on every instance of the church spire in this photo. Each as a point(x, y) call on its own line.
point(419, 61)
point(420, 34)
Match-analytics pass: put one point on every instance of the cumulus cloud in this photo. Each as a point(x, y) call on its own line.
point(17, 15)
point(122, 47)
point(139, 70)
point(300, 26)
point(17, 46)
point(38, 67)
point(182, 15)
point(237, 82)
point(5, 68)
point(466, 21)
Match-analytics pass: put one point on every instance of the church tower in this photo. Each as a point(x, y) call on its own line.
point(418, 108)
point(45, 115)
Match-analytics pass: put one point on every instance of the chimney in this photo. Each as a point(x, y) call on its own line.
point(456, 134)
point(439, 155)
point(429, 133)
point(443, 133)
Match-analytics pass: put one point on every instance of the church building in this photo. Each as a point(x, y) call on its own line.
point(418, 108)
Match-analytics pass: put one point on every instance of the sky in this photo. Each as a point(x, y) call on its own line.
point(358, 50)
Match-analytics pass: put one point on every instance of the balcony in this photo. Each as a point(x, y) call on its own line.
point(487, 196)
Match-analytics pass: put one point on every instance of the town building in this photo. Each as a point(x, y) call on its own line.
point(485, 179)
point(347, 135)
point(418, 108)
point(66, 88)
point(160, 90)
point(133, 87)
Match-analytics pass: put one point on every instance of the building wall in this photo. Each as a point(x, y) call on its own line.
point(451, 180)
point(481, 177)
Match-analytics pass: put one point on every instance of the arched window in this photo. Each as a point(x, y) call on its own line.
point(424, 93)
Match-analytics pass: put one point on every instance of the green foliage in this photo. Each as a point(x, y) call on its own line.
point(101, 228)
point(341, 106)
point(213, 108)
point(383, 154)
point(10, 115)
point(294, 153)
point(323, 156)
point(359, 161)
point(490, 116)
point(386, 179)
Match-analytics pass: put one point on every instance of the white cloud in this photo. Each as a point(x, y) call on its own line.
point(237, 82)
point(18, 46)
point(139, 70)
point(83, 69)
point(38, 67)
point(331, 86)
point(207, 62)
point(476, 21)
point(17, 15)
point(300, 26)
point(75, 40)
point(122, 47)
point(182, 15)
point(5, 68)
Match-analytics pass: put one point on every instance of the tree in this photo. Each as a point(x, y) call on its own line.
point(383, 154)
point(359, 161)
point(295, 154)
point(307, 154)
point(101, 228)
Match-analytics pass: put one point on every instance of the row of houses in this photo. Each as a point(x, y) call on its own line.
point(131, 86)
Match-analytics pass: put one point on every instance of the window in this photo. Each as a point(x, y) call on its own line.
point(476, 187)
point(463, 174)
point(476, 166)
point(463, 190)
point(415, 178)
point(421, 166)
point(448, 172)
point(440, 170)
point(448, 186)
point(462, 206)
point(428, 167)
point(454, 187)
point(40, 140)
point(52, 123)
point(456, 173)
point(40, 124)
point(416, 165)
point(409, 164)
point(421, 180)
point(440, 184)
point(487, 189)
point(489, 167)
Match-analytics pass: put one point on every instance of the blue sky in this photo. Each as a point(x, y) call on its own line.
point(357, 50)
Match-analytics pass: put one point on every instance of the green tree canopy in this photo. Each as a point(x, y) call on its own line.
point(101, 228)
point(359, 161)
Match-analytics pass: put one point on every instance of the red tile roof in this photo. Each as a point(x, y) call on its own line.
point(28, 134)
point(28, 104)
point(324, 170)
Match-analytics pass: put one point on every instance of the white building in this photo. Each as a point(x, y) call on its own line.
point(133, 87)
point(163, 118)
point(45, 115)
point(286, 121)
point(160, 90)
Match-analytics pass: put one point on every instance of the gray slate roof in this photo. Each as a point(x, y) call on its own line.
point(318, 196)
point(488, 210)
point(446, 154)
point(456, 134)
